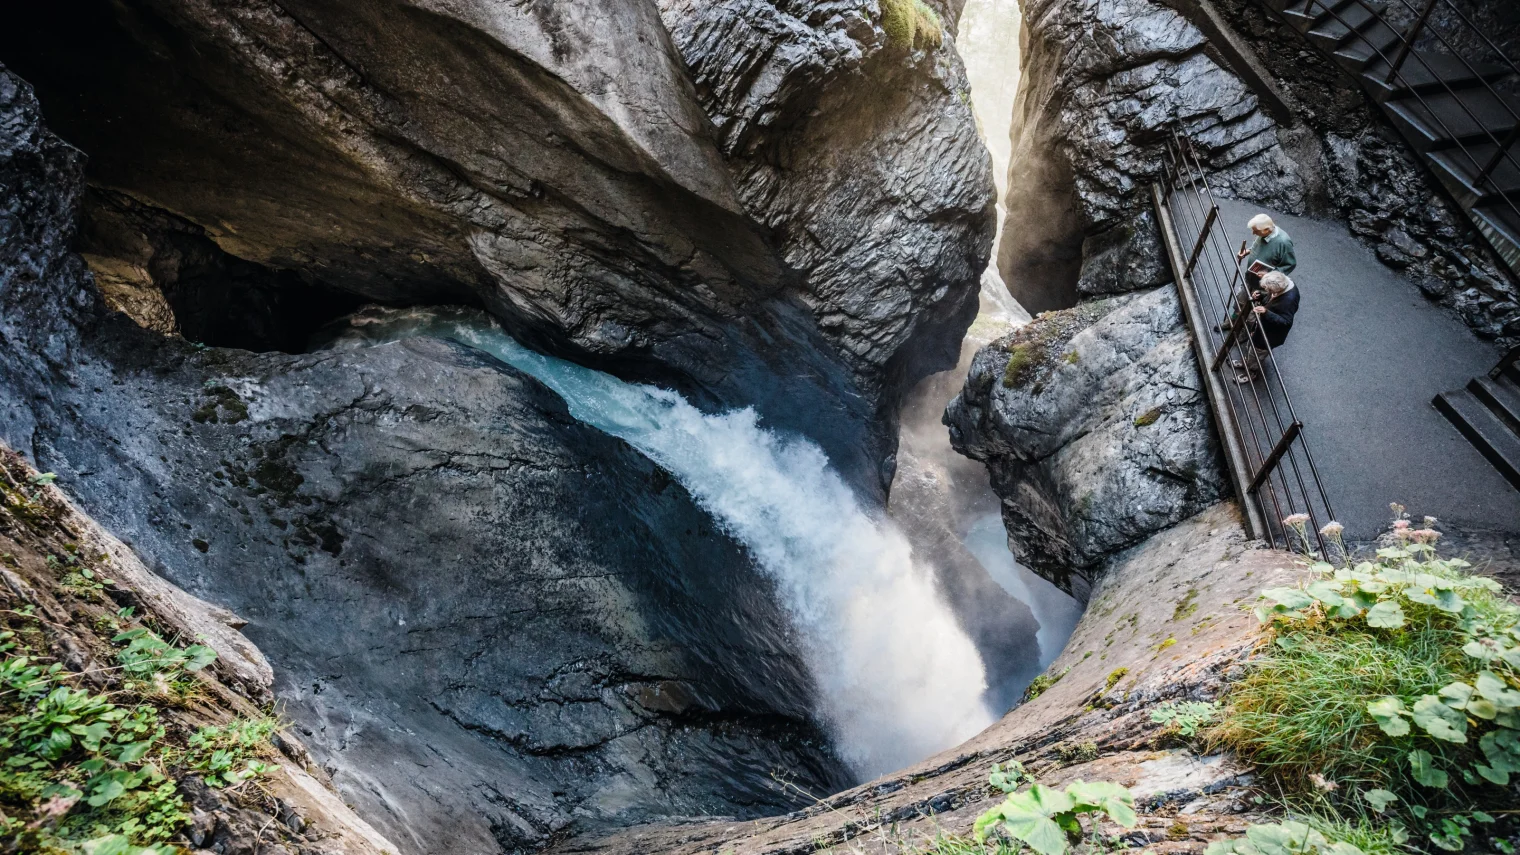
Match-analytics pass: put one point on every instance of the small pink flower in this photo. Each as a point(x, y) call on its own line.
point(1430, 522)
point(1324, 783)
point(1425, 535)
point(1296, 519)
point(1400, 525)
point(1332, 529)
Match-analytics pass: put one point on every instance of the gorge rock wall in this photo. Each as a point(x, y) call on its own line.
point(1103, 83)
point(713, 195)
point(488, 620)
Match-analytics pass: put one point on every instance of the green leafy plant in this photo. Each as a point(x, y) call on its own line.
point(1186, 717)
point(97, 776)
point(228, 755)
point(1048, 820)
point(1399, 675)
point(147, 655)
point(1040, 684)
point(1284, 838)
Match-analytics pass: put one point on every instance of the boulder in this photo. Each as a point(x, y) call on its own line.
point(1094, 427)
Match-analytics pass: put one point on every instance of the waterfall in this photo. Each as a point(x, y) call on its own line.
point(898, 678)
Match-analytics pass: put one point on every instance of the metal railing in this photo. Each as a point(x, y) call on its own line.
point(1510, 360)
point(1279, 474)
point(1484, 181)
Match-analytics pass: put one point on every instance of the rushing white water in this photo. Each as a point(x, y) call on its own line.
point(898, 678)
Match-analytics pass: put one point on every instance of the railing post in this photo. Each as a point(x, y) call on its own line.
point(1278, 451)
point(1203, 237)
point(1498, 158)
point(1409, 38)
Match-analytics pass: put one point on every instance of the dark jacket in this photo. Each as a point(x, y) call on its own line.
point(1277, 320)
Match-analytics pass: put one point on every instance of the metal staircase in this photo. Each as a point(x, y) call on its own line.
point(1487, 412)
point(1458, 110)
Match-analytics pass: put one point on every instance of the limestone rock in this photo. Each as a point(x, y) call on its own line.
point(1095, 429)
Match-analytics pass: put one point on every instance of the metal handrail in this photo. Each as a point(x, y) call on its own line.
point(1406, 41)
point(1283, 479)
point(1511, 359)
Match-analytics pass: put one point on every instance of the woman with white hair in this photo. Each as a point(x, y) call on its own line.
point(1270, 321)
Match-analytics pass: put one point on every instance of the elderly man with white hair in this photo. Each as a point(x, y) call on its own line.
point(1273, 249)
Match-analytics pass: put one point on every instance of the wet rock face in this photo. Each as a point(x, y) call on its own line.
point(1104, 81)
point(487, 620)
point(713, 195)
point(1095, 430)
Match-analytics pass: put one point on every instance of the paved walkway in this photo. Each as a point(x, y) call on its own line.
point(1367, 354)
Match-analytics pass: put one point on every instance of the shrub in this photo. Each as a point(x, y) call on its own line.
point(1401, 673)
point(911, 24)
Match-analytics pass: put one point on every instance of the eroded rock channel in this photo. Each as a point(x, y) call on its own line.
point(619, 424)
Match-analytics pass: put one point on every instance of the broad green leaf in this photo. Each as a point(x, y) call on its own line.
point(1491, 686)
point(1492, 775)
point(1385, 615)
point(1457, 694)
point(1110, 798)
point(1342, 848)
point(106, 792)
point(1290, 598)
point(1389, 713)
point(1327, 592)
point(1482, 708)
point(1425, 774)
point(1028, 816)
point(1440, 720)
point(1379, 799)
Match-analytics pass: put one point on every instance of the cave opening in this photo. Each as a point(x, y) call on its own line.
point(164, 151)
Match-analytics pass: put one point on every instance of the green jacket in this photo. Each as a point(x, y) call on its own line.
point(1275, 249)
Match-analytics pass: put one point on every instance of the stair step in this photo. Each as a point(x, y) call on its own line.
point(1500, 223)
point(1426, 72)
point(1459, 168)
point(1335, 28)
point(1304, 14)
point(1484, 430)
point(1442, 118)
point(1502, 397)
point(1379, 43)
